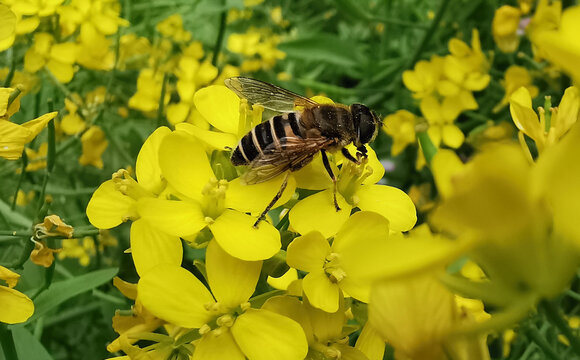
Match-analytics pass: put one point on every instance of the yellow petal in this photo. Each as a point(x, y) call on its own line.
point(231, 280)
point(173, 294)
point(445, 165)
point(184, 164)
point(326, 326)
point(283, 281)
point(317, 212)
point(36, 125)
point(16, 307)
point(292, 308)
point(12, 139)
point(322, 293)
point(151, 247)
point(63, 72)
point(9, 276)
point(567, 111)
point(391, 203)
point(314, 176)
point(147, 167)
point(218, 345)
point(376, 166)
point(216, 140)
point(265, 335)
point(7, 22)
point(236, 234)
point(523, 116)
point(308, 252)
point(108, 207)
point(64, 53)
point(370, 343)
point(254, 198)
point(219, 106)
point(452, 136)
point(178, 218)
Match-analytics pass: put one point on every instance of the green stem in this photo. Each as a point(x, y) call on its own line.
point(220, 37)
point(10, 75)
point(429, 33)
point(554, 316)
point(533, 334)
point(7, 342)
point(161, 107)
point(398, 22)
point(16, 233)
point(429, 149)
point(79, 233)
point(20, 179)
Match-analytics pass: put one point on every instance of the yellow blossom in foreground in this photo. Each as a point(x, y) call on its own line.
point(229, 327)
point(505, 27)
point(560, 46)
point(545, 131)
point(521, 217)
point(7, 27)
point(325, 332)
point(16, 307)
point(416, 317)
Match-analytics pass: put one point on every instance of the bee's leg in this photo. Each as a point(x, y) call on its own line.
point(276, 198)
point(347, 155)
point(329, 170)
point(361, 153)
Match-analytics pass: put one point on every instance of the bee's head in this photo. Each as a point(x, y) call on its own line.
point(366, 124)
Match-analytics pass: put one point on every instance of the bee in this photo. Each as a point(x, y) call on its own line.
point(289, 141)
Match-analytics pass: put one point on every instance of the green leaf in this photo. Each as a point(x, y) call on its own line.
point(323, 48)
point(61, 291)
point(27, 346)
point(13, 217)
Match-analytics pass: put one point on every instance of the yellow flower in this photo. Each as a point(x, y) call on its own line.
point(94, 51)
point(521, 216)
point(441, 117)
point(325, 332)
point(467, 66)
point(115, 201)
point(146, 99)
point(23, 199)
point(37, 159)
point(514, 78)
point(94, 145)
point(94, 15)
point(544, 133)
point(505, 27)
point(13, 137)
point(57, 58)
point(133, 51)
point(560, 46)
point(16, 307)
point(72, 123)
point(417, 315)
point(401, 127)
point(7, 27)
point(356, 187)
point(229, 327)
point(337, 267)
point(259, 48)
point(25, 81)
point(424, 77)
point(205, 201)
point(172, 27)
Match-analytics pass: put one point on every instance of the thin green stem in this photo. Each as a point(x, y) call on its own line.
point(7, 342)
point(429, 149)
point(220, 37)
point(16, 233)
point(10, 75)
point(554, 316)
point(533, 334)
point(20, 179)
point(429, 33)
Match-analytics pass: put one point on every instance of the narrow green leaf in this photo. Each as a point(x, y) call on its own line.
point(61, 291)
point(323, 48)
point(14, 217)
point(27, 346)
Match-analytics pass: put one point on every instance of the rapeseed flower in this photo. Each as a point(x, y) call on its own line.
point(229, 327)
point(505, 26)
point(16, 307)
point(94, 144)
point(356, 187)
point(115, 201)
point(149, 86)
point(514, 78)
point(7, 27)
point(209, 201)
point(258, 46)
point(172, 27)
point(548, 128)
point(326, 333)
point(401, 127)
point(58, 58)
point(90, 16)
point(521, 217)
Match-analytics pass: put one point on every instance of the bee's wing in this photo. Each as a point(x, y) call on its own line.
point(269, 96)
point(293, 155)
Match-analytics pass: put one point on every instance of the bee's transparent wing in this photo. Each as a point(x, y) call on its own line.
point(269, 96)
point(294, 154)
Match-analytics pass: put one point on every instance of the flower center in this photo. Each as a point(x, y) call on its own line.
point(332, 268)
point(351, 178)
point(214, 197)
point(125, 184)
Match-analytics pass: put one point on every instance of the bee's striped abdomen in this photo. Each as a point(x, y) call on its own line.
point(267, 136)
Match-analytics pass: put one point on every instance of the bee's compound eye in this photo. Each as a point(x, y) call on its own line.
point(365, 123)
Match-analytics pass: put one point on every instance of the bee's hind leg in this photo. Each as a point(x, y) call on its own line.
point(329, 170)
point(276, 198)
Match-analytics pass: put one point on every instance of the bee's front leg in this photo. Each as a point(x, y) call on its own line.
point(329, 170)
point(347, 155)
